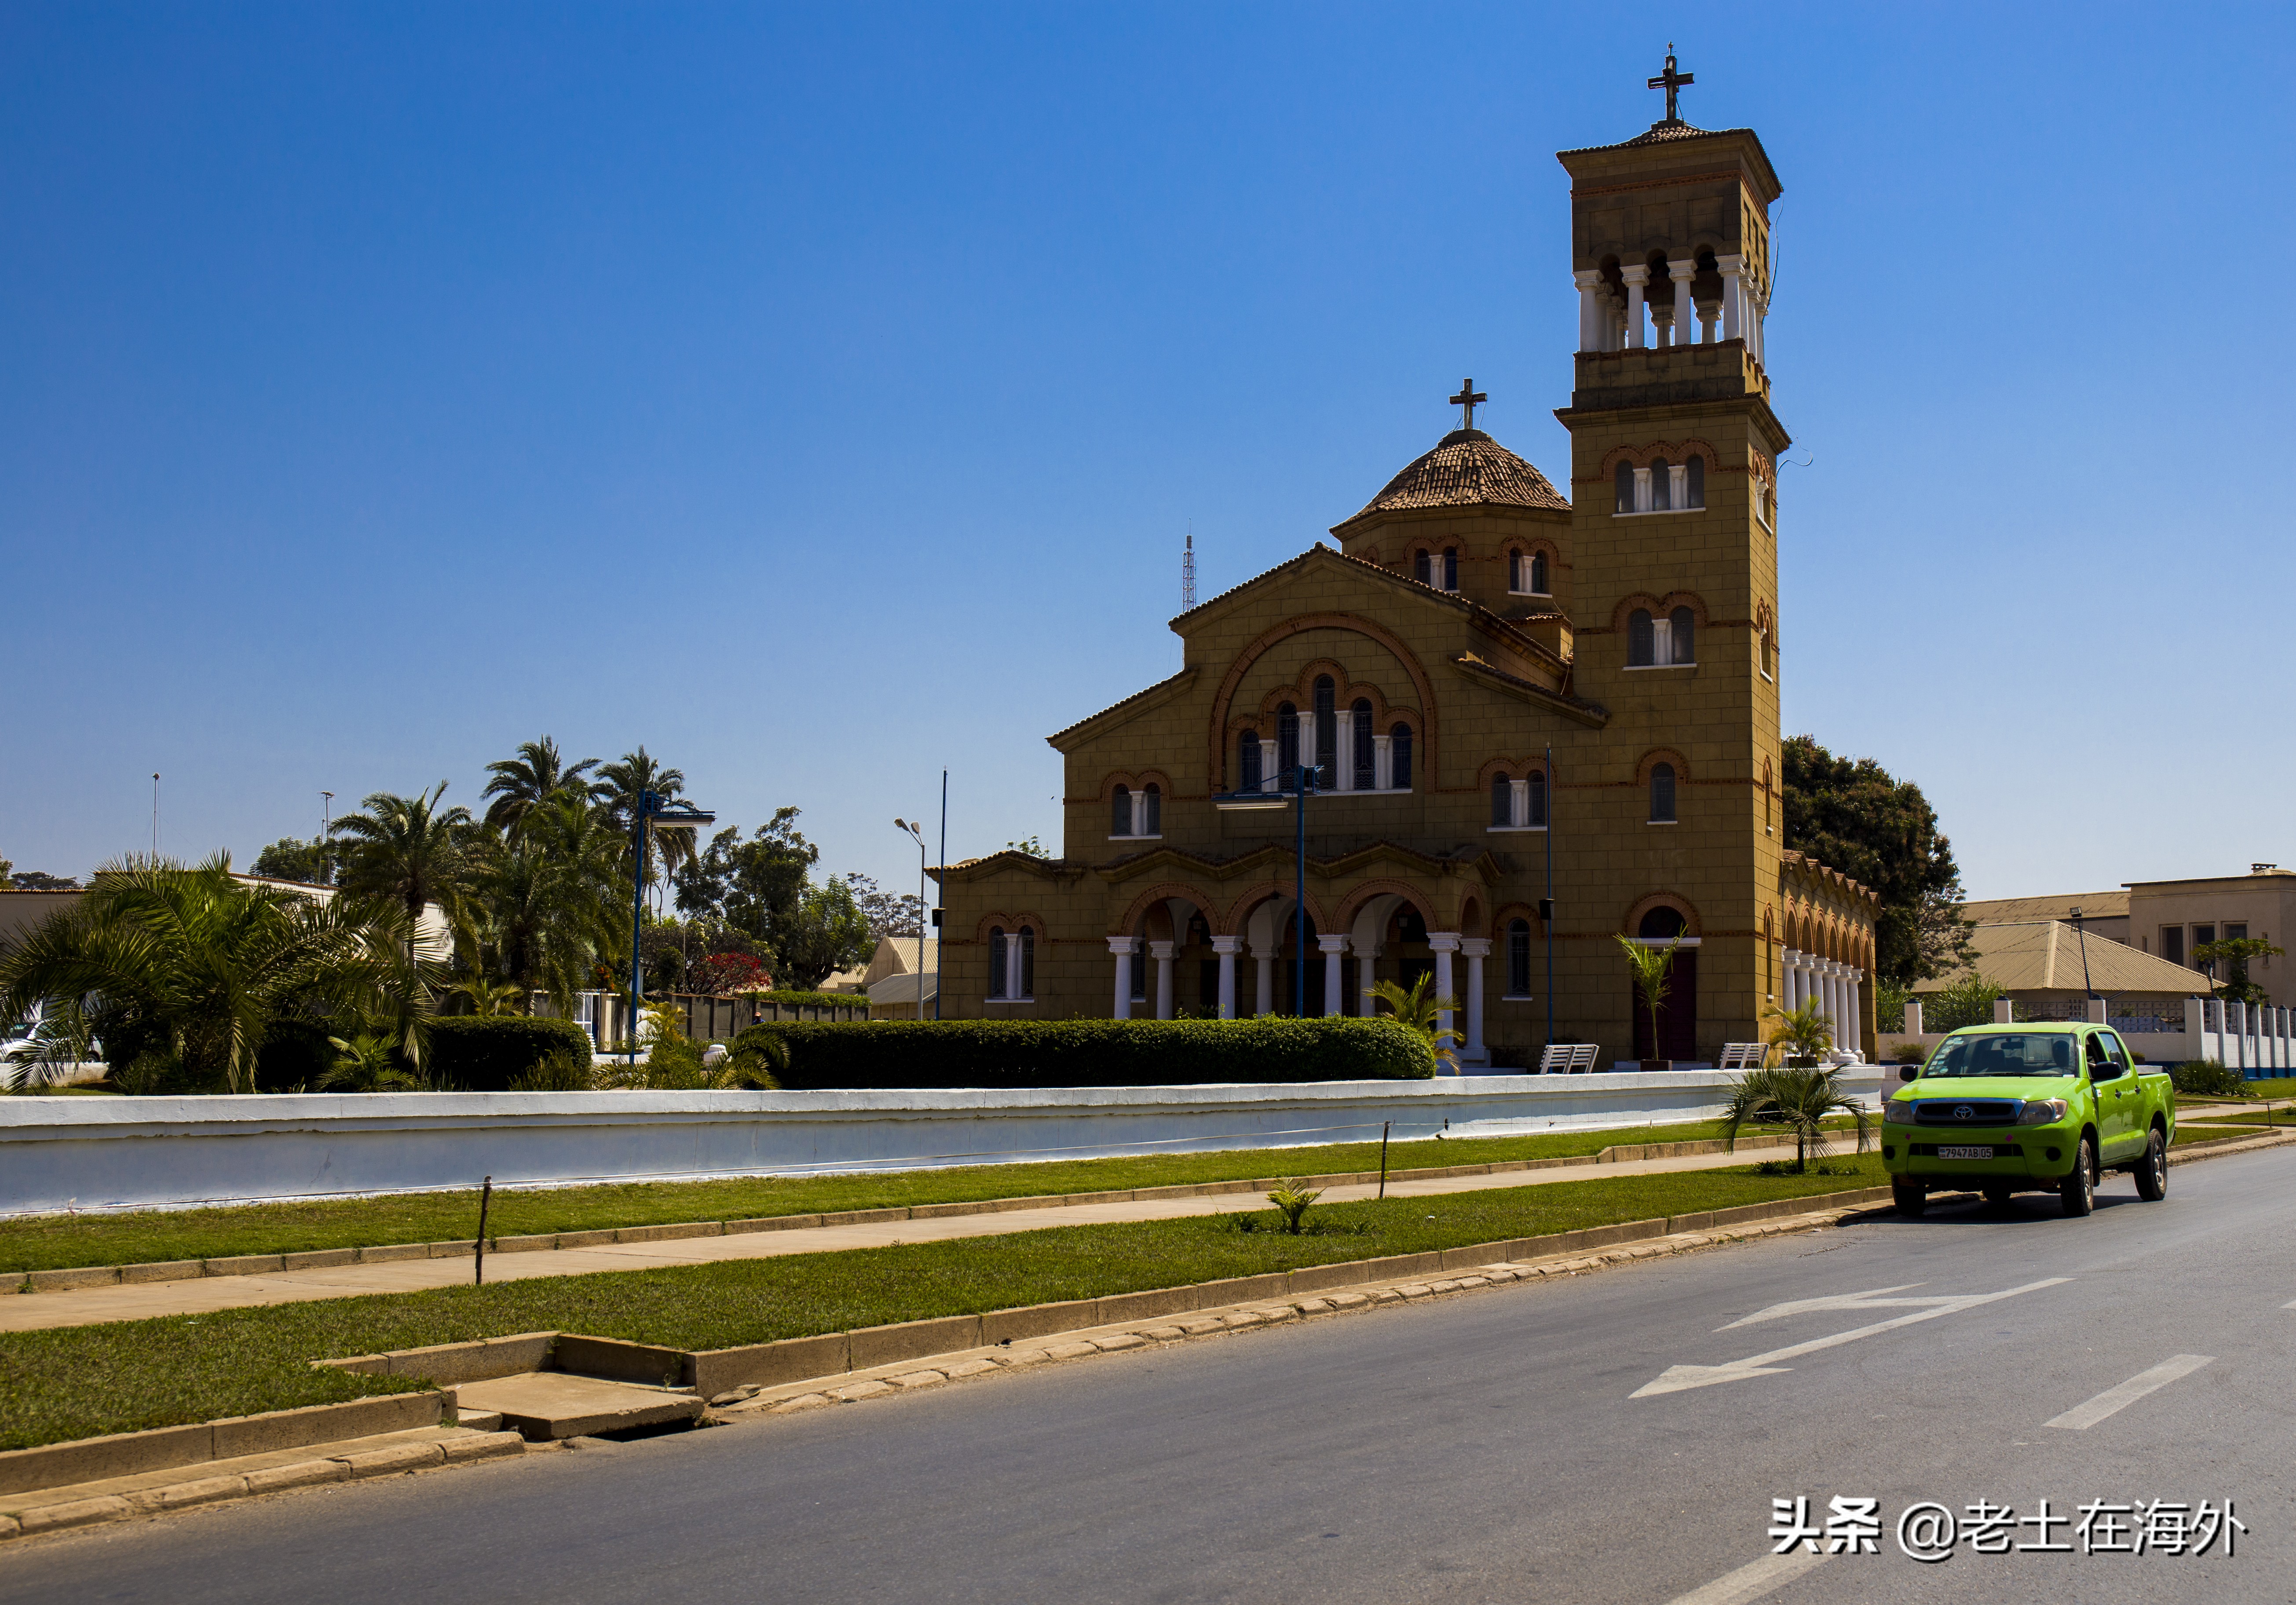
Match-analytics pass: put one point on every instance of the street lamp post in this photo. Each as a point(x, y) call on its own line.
point(653, 812)
point(2082, 937)
point(918, 836)
point(1296, 795)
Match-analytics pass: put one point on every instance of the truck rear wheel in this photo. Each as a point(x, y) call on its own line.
point(1911, 1197)
point(2152, 1169)
point(2078, 1189)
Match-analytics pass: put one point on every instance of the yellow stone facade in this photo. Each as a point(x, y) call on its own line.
point(1470, 622)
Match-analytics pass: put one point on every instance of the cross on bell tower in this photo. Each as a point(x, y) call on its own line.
point(1469, 398)
point(1671, 82)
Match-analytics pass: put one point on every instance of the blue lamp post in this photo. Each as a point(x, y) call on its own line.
point(653, 812)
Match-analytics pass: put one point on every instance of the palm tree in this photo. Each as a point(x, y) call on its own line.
point(1802, 1099)
point(487, 994)
point(368, 1063)
point(519, 784)
point(176, 976)
point(407, 850)
point(1653, 971)
point(1806, 1033)
point(618, 789)
point(549, 899)
point(1419, 1010)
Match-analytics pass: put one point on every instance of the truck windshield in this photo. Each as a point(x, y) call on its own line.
point(2035, 1055)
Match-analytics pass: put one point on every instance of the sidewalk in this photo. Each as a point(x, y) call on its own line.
point(36, 1312)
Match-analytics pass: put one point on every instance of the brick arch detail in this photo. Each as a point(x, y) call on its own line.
point(1425, 731)
point(1662, 755)
point(1301, 694)
point(1231, 922)
point(1513, 769)
point(1353, 903)
point(1660, 606)
point(1207, 906)
point(1673, 451)
point(1135, 780)
point(1661, 900)
point(1011, 922)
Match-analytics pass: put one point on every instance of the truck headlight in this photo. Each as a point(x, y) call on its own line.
point(1898, 1111)
point(2042, 1111)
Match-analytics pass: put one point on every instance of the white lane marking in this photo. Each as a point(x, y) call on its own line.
point(1676, 1378)
point(1752, 1582)
point(1869, 1300)
point(2115, 1399)
point(2291, 1304)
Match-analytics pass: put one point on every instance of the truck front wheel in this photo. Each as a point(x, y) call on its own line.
point(2078, 1189)
point(2152, 1169)
point(1911, 1197)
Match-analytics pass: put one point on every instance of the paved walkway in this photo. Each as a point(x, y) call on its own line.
point(33, 1312)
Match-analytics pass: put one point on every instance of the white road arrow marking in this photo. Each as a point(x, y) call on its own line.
point(1677, 1377)
point(2113, 1400)
point(1752, 1582)
point(1872, 1300)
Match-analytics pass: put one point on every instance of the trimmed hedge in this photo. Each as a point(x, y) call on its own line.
point(487, 1053)
point(1089, 1053)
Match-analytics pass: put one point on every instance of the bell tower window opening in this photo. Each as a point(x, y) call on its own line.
point(1398, 746)
point(1527, 574)
point(1120, 811)
point(1365, 756)
point(1246, 762)
point(1671, 642)
point(1450, 568)
point(1422, 568)
point(1287, 744)
point(1518, 804)
point(1663, 486)
point(1134, 814)
point(1660, 479)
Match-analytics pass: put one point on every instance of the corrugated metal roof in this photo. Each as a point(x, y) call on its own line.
point(2044, 956)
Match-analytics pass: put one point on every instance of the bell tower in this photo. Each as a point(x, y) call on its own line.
point(1674, 522)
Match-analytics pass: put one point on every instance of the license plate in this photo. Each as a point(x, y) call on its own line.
point(1946, 1151)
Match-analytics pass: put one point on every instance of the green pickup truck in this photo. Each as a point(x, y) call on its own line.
point(2004, 1109)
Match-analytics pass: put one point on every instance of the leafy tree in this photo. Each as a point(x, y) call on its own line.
point(2235, 953)
point(890, 913)
point(177, 976)
point(1967, 1001)
point(755, 886)
point(1030, 846)
point(1801, 1100)
point(825, 932)
point(288, 859)
point(1852, 816)
point(520, 783)
point(36, 880)
point(721, 975)
point(407, 850)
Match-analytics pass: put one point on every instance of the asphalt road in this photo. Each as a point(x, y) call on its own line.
point(1489, 1448)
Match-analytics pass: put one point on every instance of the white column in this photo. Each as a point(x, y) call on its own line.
point(1677, 486)
point(1308, 736)
point(1641, 490)
point(1344, 760)
point(1851, 983)
point(1590, 310)
point(1225, 947)
point(1269, 778)
point(1685, 313)
point(1477, 948)
point(1333, 949)
point(1122, 947)
point(1444, 943)
point(1162, 954)
point(1635, 277)
point(1519, 801)
point(1264, 985)
point(1733, 316)
point(1789, 979)
point(1382, 762)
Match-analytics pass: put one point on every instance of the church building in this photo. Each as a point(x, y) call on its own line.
point(1508, 726)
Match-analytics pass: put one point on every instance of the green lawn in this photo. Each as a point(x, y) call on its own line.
point(2203, 1132)
point(122, 1376)
point(56, 1242)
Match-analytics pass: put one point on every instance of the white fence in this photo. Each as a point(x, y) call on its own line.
point(2259, 1043)
point(130, 1153)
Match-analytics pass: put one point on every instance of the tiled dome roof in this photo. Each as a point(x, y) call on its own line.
point(1468, 468)
point(1661, 132)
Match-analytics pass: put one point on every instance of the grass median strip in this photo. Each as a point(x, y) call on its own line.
point(60, 1242)
point(77, 1382)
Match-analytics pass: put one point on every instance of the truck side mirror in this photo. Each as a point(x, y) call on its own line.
point(1907, 1072)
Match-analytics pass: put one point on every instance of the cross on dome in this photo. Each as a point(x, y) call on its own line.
point(1470, 397)
point(1671, 82)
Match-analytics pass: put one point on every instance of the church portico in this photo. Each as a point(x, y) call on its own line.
point(1484, 695)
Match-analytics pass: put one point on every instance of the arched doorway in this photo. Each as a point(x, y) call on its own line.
point(1677, 1016)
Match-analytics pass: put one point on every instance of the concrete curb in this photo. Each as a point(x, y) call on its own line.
point(384, 1461)
point(165, 1448)
point(320, 1259)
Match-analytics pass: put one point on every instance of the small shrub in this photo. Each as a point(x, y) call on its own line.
point(2205, 1078)
point(1089, 1053)
point(1907, 1053)
point(561, 1072)
point(1292, 1200)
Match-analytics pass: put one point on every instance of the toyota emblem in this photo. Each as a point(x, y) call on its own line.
point(1963, 1113)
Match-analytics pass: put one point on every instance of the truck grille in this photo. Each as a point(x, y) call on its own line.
point(1965, 1112)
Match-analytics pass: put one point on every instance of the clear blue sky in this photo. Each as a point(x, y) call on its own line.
point(820, 397)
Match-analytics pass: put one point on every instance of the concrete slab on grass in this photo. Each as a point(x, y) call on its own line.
point(546, 1405)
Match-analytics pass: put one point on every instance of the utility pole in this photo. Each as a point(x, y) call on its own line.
point(155, 818)
point(935, 913)
point(1547, 903)
point(326, 823)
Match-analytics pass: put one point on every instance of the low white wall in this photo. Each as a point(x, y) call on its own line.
point(117, 1152)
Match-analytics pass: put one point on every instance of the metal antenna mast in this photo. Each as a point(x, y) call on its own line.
point(1188, 571)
